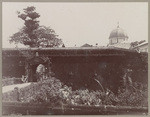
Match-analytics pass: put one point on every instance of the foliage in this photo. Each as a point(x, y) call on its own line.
point(135, 95)
point(48, 92)
point(10, 81)
point(133, 44)
point(52, 91)
point(47, 37)
point(32, 34)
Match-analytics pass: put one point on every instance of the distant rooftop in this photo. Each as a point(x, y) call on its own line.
point(122, 45)
point(86, 45)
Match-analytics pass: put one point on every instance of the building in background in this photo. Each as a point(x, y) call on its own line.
point(119, 38)
point(118, 35)
point(86, 45)
point(142, 47)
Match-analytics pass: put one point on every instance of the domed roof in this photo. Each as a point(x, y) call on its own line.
point(118, 33)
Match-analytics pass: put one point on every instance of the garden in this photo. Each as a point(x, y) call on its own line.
point(53, 92)
point(53, 96)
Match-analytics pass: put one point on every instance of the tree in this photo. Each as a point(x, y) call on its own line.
point(47, 37)
point(133, 44)
point(136, 43)
point(32, 34)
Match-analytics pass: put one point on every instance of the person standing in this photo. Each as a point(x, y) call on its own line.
point(40, 71)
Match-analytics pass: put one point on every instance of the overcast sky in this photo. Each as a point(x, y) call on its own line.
point(80, 23)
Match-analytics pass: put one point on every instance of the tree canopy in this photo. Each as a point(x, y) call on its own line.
point(32, 34)
point(136, 43)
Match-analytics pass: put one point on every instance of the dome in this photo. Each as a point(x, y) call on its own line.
point(118, 33)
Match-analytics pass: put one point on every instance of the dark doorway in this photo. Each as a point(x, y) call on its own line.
point(34, 75)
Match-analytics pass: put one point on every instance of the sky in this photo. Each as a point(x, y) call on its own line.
point(79, 23)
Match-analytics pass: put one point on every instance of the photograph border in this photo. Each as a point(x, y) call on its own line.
point(75, 2)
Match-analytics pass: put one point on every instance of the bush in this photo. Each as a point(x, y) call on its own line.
point(10, 81)
point(135, 95)
point(53, 92)
point(49, 92)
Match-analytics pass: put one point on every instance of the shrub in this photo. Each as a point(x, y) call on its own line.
point(135, 95)
point(52, 91)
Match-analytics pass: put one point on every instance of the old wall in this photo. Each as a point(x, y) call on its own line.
point(110, 70)
point(11, 67)
point(79, 71)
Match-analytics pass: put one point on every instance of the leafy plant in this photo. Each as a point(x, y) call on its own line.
point(32, 34)
point(52, 91)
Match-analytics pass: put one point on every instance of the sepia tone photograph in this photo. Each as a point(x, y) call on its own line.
point(74, 58)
